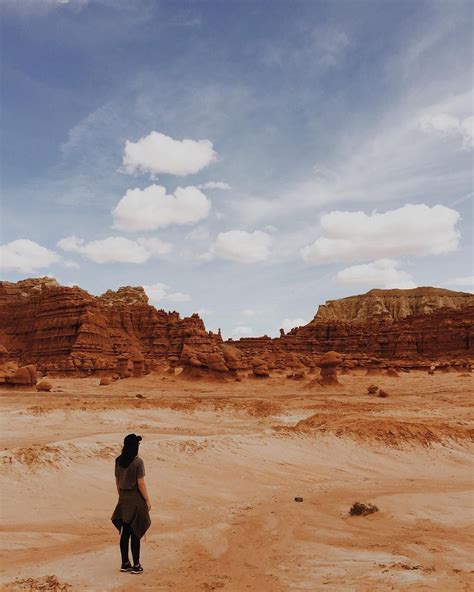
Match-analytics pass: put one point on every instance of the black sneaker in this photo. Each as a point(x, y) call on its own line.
point(126, 566)
point(137, 569)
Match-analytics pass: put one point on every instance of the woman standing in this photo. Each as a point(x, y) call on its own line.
point(131, 515)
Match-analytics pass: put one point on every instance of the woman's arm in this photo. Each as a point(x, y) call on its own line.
point(143, 491)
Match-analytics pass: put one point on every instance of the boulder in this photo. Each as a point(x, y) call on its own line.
point(24, 376)
point(105, 381)
point(260, 368)
point(374, 367)
point(44, 386)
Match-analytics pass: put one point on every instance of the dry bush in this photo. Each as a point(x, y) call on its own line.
point(360, 509)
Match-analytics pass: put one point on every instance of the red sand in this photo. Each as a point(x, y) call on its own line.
point(224, 463)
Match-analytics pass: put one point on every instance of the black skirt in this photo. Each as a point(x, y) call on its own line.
point(132, 509)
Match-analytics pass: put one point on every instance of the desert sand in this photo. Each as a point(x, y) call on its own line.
point(224, 462)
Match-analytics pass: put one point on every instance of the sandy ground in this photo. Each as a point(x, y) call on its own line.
point(224, 463)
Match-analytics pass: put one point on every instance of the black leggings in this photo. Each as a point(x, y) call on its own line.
point(127, 534)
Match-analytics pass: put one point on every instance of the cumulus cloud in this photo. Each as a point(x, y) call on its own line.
point(450, 126)
point(242, 246)
point(151, 208)
point(157, 292)
point(409, 230)
point(24, 256)
point(383, 273)
point(214, 185)
point(116, 249)
point(158, 153)
point(242, 331)
point(288, 324)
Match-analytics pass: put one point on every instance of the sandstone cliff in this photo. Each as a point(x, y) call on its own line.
point(66, 329)
point(406, 325)
point(392, 304)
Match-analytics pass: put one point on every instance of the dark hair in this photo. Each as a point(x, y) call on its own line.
point(129, 450)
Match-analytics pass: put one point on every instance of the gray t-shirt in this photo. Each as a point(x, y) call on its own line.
point(127, 477)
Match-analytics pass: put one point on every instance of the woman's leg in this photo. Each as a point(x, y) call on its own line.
point(124, 538)
point(135, 544)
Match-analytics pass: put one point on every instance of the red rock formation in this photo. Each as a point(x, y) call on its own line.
point(329, 364)
point(14, 376)
point(67, 330)
point(408, 326)
point(392, 305)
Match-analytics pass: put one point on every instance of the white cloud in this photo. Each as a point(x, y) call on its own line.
point(178, 297)
point(214, 185)
point(157, 292)
point(198, 234)
point(158, 153)
point(389, 159)
point(467, 280)
point(151, 208)
point(242, 330)
point(450, 126)
point(248, 312)
point(155, 246)
point(288, 324)
point(25, 256)
point(242, 246)
point(409, 230)
point(116, 249)
point(383, 273)
point(71, 264)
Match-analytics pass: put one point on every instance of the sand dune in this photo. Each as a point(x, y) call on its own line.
point(224, 463)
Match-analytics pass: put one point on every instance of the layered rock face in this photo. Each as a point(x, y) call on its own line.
point(418, 324)
point(392, 305)
point(66, 329)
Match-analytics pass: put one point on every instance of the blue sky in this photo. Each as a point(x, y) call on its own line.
point(322, 149)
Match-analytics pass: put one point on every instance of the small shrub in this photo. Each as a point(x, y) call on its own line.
point(360, 509)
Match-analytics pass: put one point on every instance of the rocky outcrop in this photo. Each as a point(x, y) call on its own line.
point(392, 305)
point(13, 376)
point(67, 330)
point(406, 326)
